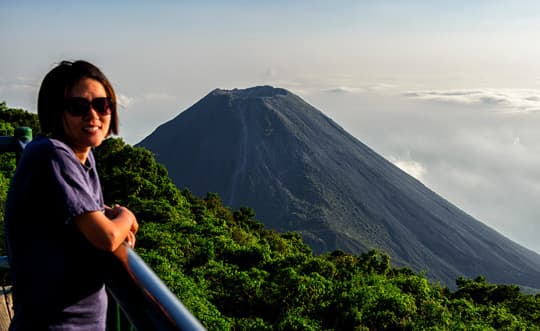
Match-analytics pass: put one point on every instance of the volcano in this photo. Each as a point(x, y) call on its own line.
point(267, 149)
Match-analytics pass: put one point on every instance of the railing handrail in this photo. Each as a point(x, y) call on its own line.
point(145, 299)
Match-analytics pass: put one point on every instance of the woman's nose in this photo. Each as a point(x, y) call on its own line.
point(92, 114)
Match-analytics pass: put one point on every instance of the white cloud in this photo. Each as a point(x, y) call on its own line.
point(359, 89)
point(21, 92)
point(270, 73)
point(413, 168)
point(485, 162)
point(124, 101)
point(157, 96)
point(344, 89)
point(19, 84)
point(17, 87)
point(508, 99)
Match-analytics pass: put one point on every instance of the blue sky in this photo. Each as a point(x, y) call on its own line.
point(447, 90)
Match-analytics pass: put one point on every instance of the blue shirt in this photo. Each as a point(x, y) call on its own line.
point(57, 273)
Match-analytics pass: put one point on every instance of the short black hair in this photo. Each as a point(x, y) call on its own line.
point(57, 85)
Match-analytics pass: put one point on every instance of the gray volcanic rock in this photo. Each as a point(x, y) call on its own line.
point(266, 148)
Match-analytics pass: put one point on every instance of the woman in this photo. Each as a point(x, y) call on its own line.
point(58, 228)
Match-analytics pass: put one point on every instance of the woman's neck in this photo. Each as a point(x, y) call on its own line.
point(80, 152)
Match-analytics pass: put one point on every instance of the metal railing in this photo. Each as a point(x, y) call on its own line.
point(144, 300)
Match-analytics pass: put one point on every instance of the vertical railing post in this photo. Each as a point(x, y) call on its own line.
point(17, 142)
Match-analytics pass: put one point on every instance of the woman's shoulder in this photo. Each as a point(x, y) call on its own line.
point(45, 147)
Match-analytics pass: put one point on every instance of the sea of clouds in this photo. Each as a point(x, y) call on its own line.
point(478, 148)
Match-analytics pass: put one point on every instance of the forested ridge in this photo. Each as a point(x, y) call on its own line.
point(234, 274)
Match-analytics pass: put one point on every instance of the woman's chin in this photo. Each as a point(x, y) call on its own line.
point(93, 140)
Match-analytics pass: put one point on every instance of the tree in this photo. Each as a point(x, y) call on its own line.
point(234, 274)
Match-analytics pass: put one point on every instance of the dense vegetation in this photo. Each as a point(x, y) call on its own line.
point(234, 274)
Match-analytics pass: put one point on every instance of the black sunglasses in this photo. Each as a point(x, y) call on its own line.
point(78, 106)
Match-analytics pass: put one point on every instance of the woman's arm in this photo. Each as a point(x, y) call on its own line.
point(108, 233)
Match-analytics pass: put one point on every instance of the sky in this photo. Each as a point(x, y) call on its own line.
point(447, 90)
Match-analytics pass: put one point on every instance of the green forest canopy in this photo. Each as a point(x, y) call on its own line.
point(234, 274)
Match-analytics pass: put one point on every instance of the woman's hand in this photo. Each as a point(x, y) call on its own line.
point(107, 230)
point(130, 239)
point(117, 211)
point(111, 212)
point(135, 225)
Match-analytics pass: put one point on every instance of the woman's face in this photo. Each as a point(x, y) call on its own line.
point(87, 130)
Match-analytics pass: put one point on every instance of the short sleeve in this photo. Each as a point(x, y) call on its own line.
point(76, 186)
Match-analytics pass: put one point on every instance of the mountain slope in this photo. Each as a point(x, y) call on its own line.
point(268, 149)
